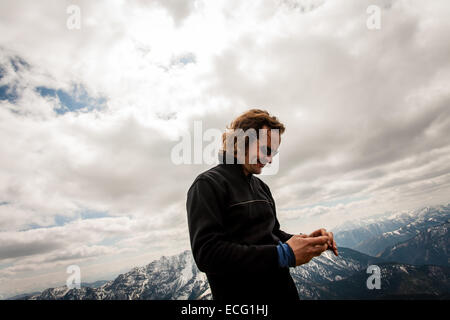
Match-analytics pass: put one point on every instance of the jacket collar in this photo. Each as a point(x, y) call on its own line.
point(230, 162)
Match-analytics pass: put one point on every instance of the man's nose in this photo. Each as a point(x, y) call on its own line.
point(267, 159)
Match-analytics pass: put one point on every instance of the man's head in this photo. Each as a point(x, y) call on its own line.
point(253, 138)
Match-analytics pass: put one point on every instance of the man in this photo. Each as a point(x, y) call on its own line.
point(234, 232)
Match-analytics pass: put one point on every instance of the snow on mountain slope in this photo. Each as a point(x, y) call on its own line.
point(373, 236)
point(177, 278)
point(430, 246)
point(168, 278)
point(324, 277)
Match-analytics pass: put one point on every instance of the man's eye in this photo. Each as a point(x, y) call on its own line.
point(267, 151)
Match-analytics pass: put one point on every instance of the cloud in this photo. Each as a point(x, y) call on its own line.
point(88, 118)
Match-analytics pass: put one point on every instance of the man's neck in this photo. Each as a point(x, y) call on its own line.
point(245, 170)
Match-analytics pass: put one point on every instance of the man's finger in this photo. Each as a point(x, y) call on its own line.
point(335, 248)
point(318, 233)
point(330, 235)
point(318, 240)
point(303, 236)
point(318, 249)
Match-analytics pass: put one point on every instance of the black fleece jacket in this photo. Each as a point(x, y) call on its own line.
point(234, 234)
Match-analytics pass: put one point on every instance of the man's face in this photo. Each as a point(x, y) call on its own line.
point(261, 152)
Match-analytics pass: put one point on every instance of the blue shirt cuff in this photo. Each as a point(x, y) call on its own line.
point(286, 257)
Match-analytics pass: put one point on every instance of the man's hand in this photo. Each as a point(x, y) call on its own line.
point(331, 243)
point(305, 248)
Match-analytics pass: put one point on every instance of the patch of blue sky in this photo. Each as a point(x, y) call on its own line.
point(76, 101)
point(61, 220)
point(8, 93)
point(109, 241)
point(18, 63)
point(330, 203)
point(184, 59)
point(90, 214)
point(6, 265)
point(188, 58)
point(83, 215)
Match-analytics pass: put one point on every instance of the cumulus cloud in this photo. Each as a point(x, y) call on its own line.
point(88, 119)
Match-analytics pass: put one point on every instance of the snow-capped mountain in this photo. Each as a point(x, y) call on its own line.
point(177, 277)
point(376, 234)
point(310, 278)
point(416, 237)
point(169, 278)
point(26, 296)
point(430, 246)
point(324, 277)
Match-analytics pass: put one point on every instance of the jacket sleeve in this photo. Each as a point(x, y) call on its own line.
point(283, 236)
point(213, 252)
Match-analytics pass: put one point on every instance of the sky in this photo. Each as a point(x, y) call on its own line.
point(94, 95)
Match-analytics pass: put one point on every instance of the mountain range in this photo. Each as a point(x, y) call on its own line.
point(429, 246)
point(373, 235)
point(413, 258)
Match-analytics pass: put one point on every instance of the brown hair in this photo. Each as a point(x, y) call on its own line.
point(252, 119)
